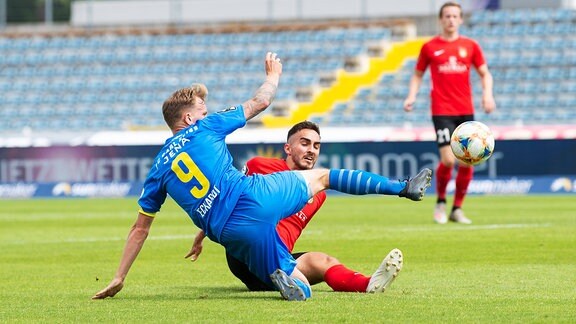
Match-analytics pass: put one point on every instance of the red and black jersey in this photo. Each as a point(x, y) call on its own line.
point(450, 63)
point(291, 227)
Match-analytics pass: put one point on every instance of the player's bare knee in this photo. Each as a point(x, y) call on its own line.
point(448, 161)
point(331, 261)
point(316, 179)
point(324, 260)
point(449, 164)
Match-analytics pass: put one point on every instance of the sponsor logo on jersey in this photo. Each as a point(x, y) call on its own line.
point(207, 203)
point(452, 66)
point(303, 217)
point(174, 148)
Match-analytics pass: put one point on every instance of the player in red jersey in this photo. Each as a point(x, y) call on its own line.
point(450, 57)
point(302, 149)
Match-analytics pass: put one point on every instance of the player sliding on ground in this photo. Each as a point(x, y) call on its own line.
point(195, 168)
point(302, 148)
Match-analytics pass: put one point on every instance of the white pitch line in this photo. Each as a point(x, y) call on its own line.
point(432, 227)
point(499, 226)
point(457, 227)
point(100, 239)
point(436, 228)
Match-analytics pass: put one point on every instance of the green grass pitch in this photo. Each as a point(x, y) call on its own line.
point(516, 263)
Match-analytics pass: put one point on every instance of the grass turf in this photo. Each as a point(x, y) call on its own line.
point(516, 263)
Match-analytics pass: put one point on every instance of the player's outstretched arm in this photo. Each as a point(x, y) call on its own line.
point(196, 246)
point(267, 91)
point(134, 243)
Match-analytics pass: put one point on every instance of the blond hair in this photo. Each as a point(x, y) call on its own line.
point(182, 99)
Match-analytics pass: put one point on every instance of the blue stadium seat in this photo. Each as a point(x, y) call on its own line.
point(529, 52)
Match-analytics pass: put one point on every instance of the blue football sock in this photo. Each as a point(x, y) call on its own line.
point(358, 182)
point(305, 287)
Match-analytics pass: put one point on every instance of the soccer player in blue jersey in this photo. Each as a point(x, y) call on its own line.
point(195, 168)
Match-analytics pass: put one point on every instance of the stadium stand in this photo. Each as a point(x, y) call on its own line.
point(531, 53)
point(104, 82)
point(117, 81)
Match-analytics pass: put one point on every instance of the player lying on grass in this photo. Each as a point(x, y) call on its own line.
point(302, 149)
point(194, 167)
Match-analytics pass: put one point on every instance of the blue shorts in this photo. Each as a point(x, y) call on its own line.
point(250, 233)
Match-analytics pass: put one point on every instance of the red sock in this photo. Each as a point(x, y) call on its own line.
point(463, 179)
point(443, 176)
point(340, 278)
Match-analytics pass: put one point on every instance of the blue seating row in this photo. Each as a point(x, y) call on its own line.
point(521, 16)
point(95, 43)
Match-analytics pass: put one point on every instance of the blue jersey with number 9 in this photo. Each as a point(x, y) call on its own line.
point(195, 168)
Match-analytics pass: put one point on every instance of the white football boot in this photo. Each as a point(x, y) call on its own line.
point(458, 216)
point(386, 272)
point(440, 213)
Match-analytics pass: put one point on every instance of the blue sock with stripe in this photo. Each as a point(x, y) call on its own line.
point(307, 290)
point(357, 182)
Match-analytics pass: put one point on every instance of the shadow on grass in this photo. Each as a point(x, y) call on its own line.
point(203, 293)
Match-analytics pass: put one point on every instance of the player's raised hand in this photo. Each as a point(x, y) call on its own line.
point(267, 91)
point(273, 64)
point(113, 288)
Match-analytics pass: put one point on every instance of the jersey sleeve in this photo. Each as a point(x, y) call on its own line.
point(478, 59)
point(152, 197)
point(423, 59)
point(226, 121)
